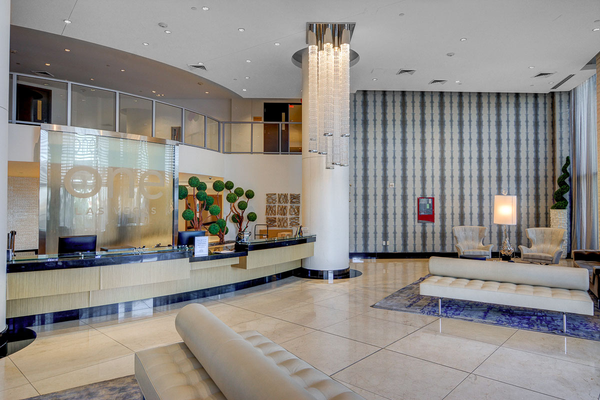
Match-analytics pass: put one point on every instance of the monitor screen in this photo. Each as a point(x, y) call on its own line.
point(186, 238)
point(76, 244)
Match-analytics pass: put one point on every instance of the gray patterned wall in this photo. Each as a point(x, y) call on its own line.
point(461, 148)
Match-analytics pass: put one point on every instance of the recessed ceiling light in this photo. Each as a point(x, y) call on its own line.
point(243, 90)
point(531, 67)
point(154, 91)
point(67, 50)
point(241, 29)
point(194, 8)
point(91, 79)
point(45, 84)
point(449, 54)
point(122, 70)
point(162, 25)
point(206, 92)
point(145, 43)
point(463, 39)
point(248, 61)
point(67, 21)
point(595, 29)
point(459, 82)
point(167, 32)
point(277, 43)
point(374, 79)
point(47, 64)
point(247, 77)
point(205, 8)
point(401, 15)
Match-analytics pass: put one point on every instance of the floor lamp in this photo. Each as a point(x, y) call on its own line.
point(505, 213)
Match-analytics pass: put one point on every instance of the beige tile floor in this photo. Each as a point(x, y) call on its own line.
point(380, 354)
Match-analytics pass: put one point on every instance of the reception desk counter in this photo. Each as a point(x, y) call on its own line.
point(75, 285)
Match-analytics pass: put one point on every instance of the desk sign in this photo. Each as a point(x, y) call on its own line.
point(200, 246)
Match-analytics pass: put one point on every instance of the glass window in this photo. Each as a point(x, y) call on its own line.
point(168, 122)
point(93, 108)
point(10, 97)
point(295, 138)
point(212, 134)
point(135, 115)
point(194, 129)
point(41, 100)
point(237, 137)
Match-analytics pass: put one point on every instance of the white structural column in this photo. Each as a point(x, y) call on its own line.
point(325, 196)
point(4, 65)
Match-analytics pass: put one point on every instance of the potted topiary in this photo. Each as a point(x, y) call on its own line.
point(238, 207)
point(559, 215)
point(218, 228)
point(200, 201)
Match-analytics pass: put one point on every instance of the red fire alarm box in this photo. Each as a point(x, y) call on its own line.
point(425, 209)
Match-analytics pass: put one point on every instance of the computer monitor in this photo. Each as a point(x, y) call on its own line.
point(76, 244)
point(186, 238)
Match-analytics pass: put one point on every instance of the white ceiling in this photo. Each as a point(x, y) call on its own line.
point(504, 38)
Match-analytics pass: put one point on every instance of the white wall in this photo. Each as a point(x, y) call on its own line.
point(23, 143)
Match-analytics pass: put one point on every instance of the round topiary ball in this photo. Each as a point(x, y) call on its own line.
point(194, 181)
point(235, 219)
point(183, 192)
point(239, 192)
point(229, 185)
point(231, 198)
point(252, 217)
point(222, 223)
point(202, 186)
point(242, 205)
point(214, 229)
point(201, 195)
point(226, 231)
point(218, 186)
point(210, 201)
point(188, 215)
point(249, 194)
point(214, 210)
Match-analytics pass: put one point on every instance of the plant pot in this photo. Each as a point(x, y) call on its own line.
point(560, 219)
point(243, 237)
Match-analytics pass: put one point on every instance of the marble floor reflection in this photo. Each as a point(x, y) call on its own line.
point(377, 353)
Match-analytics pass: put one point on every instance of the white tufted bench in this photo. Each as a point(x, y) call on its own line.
point(553, 288)
point(214, 362)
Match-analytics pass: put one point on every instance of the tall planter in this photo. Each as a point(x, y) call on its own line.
point(560, 219)
point(559, 215)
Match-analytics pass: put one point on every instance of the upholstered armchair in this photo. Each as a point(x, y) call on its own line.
point(469, 241)
point(545, 245)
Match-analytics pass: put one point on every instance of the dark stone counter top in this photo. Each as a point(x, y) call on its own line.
point(274, 243)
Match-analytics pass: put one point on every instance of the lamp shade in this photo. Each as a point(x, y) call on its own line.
point(505, 210)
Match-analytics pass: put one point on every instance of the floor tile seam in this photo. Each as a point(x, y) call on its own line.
point(116, 341)
point(517, 386)
point(262, 313)
point(475, 340)
point(431, 362)
point(124, 325)
point(355, 362)
point(22, 373)
point(20, 386)
point(383, 319)
point(361, 388)
point(459, 383)
point(347, 338)
point(415, 331)
point(494, 352)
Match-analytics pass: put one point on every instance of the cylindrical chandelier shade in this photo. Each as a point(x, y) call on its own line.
point(329, 91)
point(505, 210)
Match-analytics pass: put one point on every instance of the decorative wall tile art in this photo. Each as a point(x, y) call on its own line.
point(271, 221)
point(294, 211)
point(271, 198)
point(282, 211)
point(271, 210)
point(294, 221)
point(282, 222)
point(283, 198)
point(294, 198)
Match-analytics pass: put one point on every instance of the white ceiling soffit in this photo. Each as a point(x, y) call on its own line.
point(504, 39)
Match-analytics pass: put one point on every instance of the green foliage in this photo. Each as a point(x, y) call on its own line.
point(231, 198)
point(242, 205)
point(210, 201)
point(183, 192)
point(226, 231)
point(252, 216)
point(222, 223)
point(563, 188)
point(201, 195)
point(214, 210)
point(202, 186)
point(239, 192)
point(214, 229)
point(249, 194)
point(218, 186)
point(188, 215)
point(235, 219)
point(229, 185)
point(194, 181)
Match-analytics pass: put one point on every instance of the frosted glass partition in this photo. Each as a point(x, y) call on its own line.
point(135, 115)
point(116, 186)
point(168, 122)
point(212, 134)
point(41, 100)
point(237, 137)
point(93, 108)
point(194, 128)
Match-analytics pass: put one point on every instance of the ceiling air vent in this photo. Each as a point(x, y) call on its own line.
point(405, 72)
point(544, 74)
point(43, 73)
point(197, 66)
point(562, 82)
point(438, 82)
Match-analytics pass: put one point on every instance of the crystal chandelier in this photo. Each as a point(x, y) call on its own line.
point(329, 91)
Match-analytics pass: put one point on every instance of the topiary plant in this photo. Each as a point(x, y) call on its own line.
point(201, 201)
point(238, 206)
point(563, 188)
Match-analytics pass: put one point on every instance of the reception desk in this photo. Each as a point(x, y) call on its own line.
point(48, 287)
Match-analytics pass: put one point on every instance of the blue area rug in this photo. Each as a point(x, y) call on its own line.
point(409, 300)
point(125, 388)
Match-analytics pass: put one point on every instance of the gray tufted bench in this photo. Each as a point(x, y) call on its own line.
point(214, 362)
point(561, 289)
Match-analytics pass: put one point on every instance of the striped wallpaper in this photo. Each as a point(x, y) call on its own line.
point(462, 149)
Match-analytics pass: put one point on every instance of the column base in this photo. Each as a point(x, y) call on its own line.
point(320, 274)
point(13, 341)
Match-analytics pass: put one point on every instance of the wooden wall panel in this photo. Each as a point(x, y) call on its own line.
point(22, 285)
point(114, 276)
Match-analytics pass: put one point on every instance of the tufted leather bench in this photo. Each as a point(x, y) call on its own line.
point(559, 289)
point(214, 362)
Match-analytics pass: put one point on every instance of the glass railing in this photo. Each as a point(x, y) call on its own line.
point(36, 101)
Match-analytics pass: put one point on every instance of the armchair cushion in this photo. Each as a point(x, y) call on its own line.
point(469, 241)
point(545, 245)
